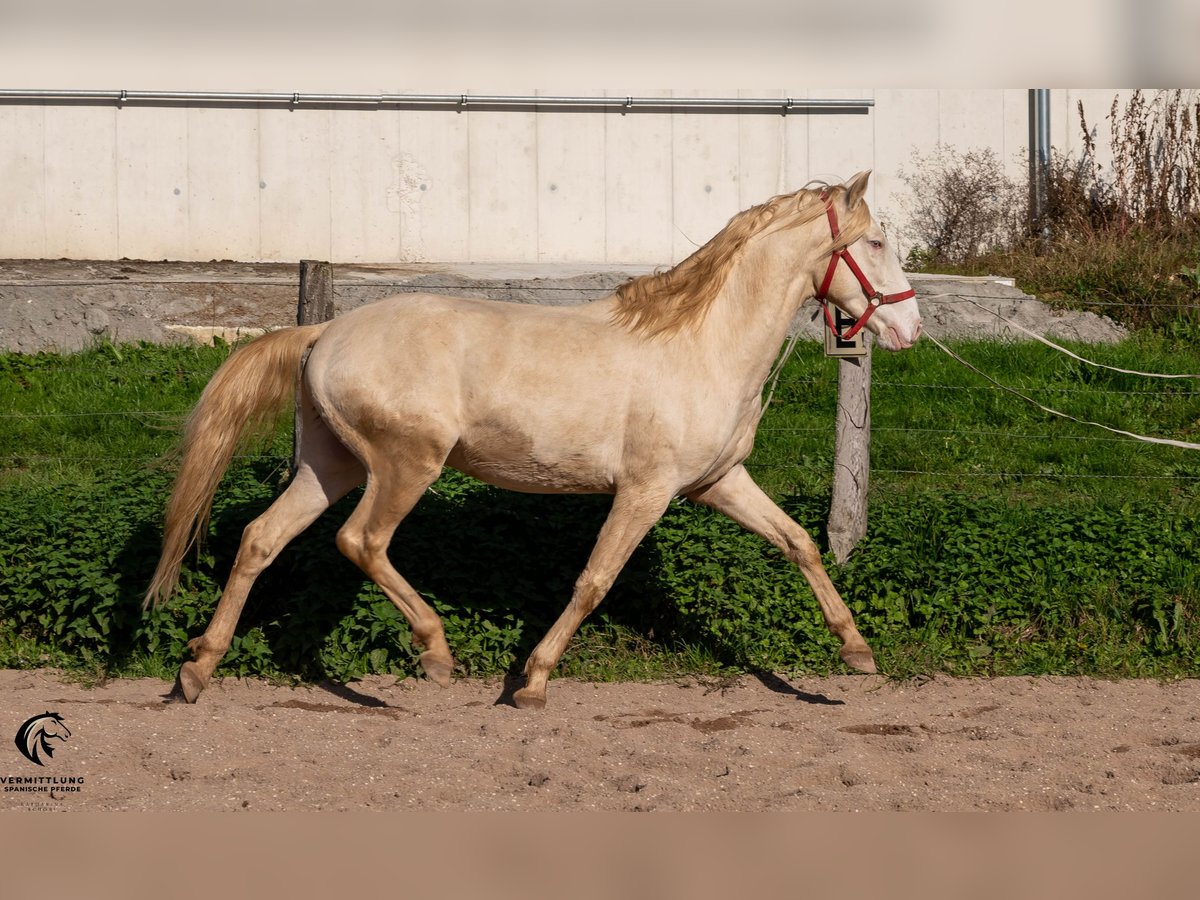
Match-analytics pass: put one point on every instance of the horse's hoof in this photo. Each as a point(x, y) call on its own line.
point(527, 699)
point(860, 659)
point(437, 668)
point(189, 683)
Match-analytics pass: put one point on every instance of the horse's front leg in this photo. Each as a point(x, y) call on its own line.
point(742, 500)
point(633, 514)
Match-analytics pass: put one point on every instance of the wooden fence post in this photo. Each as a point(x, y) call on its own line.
point(316, 293)
point(315, 305)
point(852, 455)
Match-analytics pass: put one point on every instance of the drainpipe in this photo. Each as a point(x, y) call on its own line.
point(1039, 160)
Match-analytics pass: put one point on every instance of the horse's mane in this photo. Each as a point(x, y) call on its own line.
point(666, 302)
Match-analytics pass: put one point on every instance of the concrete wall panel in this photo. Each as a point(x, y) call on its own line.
point(571, 168)
point(638, 187)
point(365, 189)
point(842, 144)
point(295, 163)
point(22, 181)
point(504, 189)
point(223, 186)
point(80, 153)
point(904, 122)
point(704, 177)
point(1016, 133)
point(761, 152)
point(434, 186)
point(152, 180)
point(795, 171)
point(969, 119)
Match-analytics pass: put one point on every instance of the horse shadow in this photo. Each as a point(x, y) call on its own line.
point(773, 682)
point(480, 554)
point(475, 553)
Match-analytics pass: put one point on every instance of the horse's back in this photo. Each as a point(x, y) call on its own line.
point(417, 321)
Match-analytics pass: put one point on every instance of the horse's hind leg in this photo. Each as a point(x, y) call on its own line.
point(742, 500)
point(393, 489)
point(632, 515)
point(327, 472)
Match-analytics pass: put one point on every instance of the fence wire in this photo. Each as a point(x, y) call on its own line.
point(889, 434)
point(13, 462)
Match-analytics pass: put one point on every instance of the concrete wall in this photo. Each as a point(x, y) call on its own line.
point(355, 185)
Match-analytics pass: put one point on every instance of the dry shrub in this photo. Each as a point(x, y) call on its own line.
point(1122, 239)
point(962, 204)
point(1155, 175)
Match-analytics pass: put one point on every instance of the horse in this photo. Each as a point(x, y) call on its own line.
point(33, 737)
point(650, 393)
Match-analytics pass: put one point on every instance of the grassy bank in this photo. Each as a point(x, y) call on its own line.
point(1002, 539)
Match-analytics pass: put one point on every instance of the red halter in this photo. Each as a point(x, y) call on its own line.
point(875, 299)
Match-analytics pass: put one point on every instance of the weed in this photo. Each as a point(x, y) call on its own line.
point(1114, 240)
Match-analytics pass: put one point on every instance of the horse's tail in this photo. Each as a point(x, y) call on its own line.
point(244, 397)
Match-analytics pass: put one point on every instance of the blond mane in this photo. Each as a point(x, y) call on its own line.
point(664, 303)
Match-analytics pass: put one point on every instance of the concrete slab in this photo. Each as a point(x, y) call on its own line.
point(65, 304)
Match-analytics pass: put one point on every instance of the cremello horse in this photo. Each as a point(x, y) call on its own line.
point(648, 394)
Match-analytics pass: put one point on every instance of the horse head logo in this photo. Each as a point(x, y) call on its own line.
point(33, 738)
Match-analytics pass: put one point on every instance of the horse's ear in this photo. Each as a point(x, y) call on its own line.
point(856, 187)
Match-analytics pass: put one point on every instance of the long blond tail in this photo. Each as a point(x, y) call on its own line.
point(245, 395)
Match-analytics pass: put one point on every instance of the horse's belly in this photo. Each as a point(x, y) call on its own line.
point(517, 461)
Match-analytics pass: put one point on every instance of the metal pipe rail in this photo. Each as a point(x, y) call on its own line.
point(442, 101)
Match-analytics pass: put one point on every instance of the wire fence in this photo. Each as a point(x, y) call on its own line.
point(895, 463)
point(172, 420)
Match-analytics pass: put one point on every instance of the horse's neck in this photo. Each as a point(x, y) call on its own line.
point(749, 319)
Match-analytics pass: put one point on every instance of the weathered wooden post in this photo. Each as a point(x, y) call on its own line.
point(852, 449)
point(315, 306)
point(316, 292)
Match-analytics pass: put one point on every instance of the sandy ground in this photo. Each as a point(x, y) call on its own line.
point(754, 744)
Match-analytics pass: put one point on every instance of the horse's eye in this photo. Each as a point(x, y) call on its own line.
point(876, 245)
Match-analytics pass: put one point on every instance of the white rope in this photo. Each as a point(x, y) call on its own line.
point(1137, 437)
point(1060, 349)
point(775, 373)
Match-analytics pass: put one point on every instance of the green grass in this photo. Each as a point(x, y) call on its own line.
point(72, 418)
point(930, 414)
point(75, 416)
point(1079, 557)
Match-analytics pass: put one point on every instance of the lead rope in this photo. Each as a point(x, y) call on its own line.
point(1054, 412)
point(778, 370)
point(1049, 343)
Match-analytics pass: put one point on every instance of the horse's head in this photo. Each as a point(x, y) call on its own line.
point(52, 725)
point(863, 277)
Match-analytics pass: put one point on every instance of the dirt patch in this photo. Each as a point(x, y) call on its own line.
point(843, 743)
